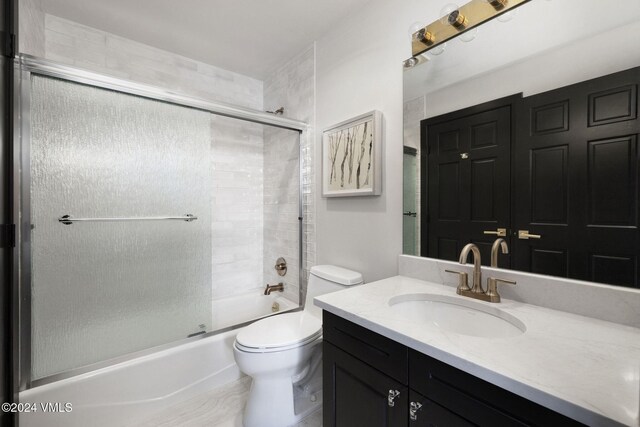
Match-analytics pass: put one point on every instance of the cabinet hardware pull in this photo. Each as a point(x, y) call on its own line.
point(500, 232)
point(524, 235)
point(413, 410)
point(392, 396)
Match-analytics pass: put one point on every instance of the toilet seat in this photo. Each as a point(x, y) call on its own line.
point(279, 333)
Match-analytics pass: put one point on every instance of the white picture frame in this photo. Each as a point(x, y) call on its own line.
point(352, 157)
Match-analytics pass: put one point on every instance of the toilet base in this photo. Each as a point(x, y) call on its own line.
point(276, 402)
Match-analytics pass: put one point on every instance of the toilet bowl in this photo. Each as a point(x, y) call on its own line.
point(283, 356)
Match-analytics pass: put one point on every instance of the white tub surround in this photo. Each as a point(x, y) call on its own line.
point(584, 368)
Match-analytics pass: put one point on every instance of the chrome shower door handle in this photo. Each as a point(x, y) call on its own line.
point(392, 397)
point(68, 219)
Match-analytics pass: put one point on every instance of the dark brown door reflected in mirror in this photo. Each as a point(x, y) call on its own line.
point(558, 171)
point(468, 179)
point(576, 181)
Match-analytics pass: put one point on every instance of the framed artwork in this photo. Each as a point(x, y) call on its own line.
point(352, 157)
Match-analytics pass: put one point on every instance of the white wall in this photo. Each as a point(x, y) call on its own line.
point(359, 69)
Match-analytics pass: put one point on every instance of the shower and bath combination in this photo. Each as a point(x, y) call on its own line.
point(125, 194)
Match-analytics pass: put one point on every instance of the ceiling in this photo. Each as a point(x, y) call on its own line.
point(251, 37)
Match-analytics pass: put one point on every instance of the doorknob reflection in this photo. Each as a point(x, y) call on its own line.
point(524, 235)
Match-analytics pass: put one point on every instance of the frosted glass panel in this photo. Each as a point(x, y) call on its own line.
point(104, 289)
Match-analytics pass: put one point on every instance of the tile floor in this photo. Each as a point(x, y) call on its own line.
point(221, 407)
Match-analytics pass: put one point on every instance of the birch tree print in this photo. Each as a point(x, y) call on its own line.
point(349, 152)
point(352, 142)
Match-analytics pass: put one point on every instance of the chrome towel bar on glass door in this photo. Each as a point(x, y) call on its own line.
point(68, 219)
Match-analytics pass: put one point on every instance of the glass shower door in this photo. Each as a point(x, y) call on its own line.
point(102, 289)
point(409, 205)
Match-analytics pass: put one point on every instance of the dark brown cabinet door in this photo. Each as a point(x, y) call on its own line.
point(357, 395)
point(468, 182)
point(576, 181)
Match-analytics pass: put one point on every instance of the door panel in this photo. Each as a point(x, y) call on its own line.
point(612, 172)
point(549, 170)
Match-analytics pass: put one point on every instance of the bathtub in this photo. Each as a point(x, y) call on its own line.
point(245, 307)
point(128, 393)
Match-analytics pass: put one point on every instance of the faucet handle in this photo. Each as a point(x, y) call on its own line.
point(463, 280)
point(492, 287)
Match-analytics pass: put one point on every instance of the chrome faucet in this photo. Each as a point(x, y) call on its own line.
point(497, 245)
point(477, 292)
point(270, 288)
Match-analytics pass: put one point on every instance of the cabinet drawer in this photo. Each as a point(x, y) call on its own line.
point(476, 400)
point(379, 352)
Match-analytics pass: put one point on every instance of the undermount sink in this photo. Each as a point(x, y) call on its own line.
point(459, 315)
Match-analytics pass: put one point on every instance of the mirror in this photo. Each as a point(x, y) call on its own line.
point(530, 131)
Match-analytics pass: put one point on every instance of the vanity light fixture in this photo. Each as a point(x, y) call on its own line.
point(459, 20)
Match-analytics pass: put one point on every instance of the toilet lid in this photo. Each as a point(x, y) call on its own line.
point(280, 331)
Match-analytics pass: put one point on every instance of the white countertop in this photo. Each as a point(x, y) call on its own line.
point(584, 368)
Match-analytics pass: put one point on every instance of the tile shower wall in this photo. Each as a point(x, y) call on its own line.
point(236, 146)
point(291, 86)
point(237, 206)
point(31, 27)
point(85, 47)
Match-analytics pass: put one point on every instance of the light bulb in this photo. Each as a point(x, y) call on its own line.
point(469, 35)
point(438, 49)
point(413, 28)
point(508, 16)
point(410, 63)
point(446, 10)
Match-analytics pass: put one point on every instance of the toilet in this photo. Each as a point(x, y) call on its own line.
point(283, 355)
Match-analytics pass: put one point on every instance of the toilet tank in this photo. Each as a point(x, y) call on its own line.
point(324, 279)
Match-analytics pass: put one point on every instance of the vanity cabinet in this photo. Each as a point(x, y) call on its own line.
point(370, 380)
